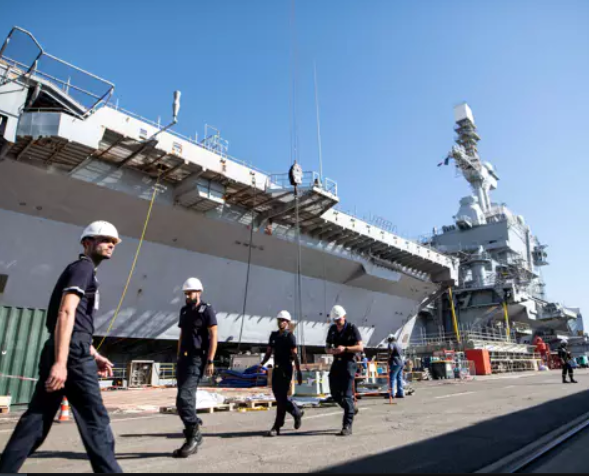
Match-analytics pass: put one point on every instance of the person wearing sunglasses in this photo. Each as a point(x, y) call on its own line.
point(70, 365)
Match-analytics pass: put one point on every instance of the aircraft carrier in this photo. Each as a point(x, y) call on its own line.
point(69, 155)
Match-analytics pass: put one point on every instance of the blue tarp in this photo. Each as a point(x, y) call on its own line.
point(250, 378)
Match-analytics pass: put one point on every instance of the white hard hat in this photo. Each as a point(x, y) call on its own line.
point(337, 313)
point(101, 228)
point(284, 315)
point(192, 284)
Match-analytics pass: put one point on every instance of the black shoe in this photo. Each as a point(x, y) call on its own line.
point(299, 421)
point(345, 432)
point(573, 381)
point(193, 440)
point(273, 433)
point(565, 381)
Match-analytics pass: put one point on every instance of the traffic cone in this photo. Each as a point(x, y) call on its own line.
point(65, 411)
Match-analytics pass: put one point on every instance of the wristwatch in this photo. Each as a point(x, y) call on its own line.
point(210, 362)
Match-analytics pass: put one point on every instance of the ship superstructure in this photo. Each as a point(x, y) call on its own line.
point(501, 285)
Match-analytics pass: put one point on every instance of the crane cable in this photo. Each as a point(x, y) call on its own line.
point(249, 267)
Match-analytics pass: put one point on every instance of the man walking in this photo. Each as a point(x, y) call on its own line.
point(566, 358)
point(197, 348)
point(396, 365)
point(343, 342)
point(70, 365)
point(283, 345)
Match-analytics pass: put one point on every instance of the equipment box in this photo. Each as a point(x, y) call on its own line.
point(442, 370)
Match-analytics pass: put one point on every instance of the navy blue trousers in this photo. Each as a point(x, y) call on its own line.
point(83, 393)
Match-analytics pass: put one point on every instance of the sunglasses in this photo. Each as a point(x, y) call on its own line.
point(104, 239)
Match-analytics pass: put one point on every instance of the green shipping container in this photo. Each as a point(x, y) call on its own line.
point(22, 337)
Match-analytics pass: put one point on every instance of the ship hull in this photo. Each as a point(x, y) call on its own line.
point(42, 215)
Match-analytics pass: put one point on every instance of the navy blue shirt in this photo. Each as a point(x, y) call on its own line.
point(396, 358)
point(78, 278)
point(283, 345)
point(565, 355)
point(349, 337)
point(195, 321)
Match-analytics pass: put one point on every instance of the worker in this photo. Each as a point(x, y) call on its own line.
point(364, 361)
point(396, 366)
point(566, 358)
point(283, 345)
point(197, 348)
point(343, 342)
point(70, 365)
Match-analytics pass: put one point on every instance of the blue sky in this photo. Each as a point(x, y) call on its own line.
point(389, 74)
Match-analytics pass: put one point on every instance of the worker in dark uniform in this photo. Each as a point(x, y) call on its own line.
point(344, 342)
point(70, 366)
point(566, 358)
point(197, 348)
point(283, 345)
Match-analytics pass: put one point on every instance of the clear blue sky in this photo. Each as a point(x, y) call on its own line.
point(389, 72)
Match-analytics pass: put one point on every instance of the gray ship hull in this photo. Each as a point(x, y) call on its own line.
point(42, 216)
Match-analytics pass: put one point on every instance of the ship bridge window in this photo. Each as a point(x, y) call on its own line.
point(143, 134)
point(177, 147)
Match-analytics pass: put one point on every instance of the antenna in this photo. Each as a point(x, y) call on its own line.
point(319, 142)
point(177, 96)
point(175, 112)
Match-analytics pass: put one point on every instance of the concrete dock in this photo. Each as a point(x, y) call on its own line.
point(445, 427)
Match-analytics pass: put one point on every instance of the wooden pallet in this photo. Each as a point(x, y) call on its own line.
point(215, 409)
point(259, 404)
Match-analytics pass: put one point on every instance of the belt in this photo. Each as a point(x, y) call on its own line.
point(198, 353)
point(283, 366)
point(77, 337)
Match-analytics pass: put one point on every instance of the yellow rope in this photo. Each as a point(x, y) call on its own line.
point(507, 326)
point(454, 317)
point(112, 322)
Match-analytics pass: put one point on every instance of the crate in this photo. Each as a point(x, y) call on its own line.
point(5, 403)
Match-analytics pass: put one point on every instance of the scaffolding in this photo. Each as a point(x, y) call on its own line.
point(506, 354)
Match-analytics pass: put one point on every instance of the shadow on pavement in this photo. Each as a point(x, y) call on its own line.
point(472, 448)
point(83, 457)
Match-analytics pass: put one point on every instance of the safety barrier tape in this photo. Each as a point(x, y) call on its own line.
point(26, 379)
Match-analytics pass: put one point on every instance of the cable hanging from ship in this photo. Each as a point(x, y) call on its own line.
point(176, 111)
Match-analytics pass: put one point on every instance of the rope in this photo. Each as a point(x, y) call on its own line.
point(294, 132)
point(247, 279)
point(454, 317)
point(249, 266)
point(15, 377)
point(134, 265)
point(299, 283)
